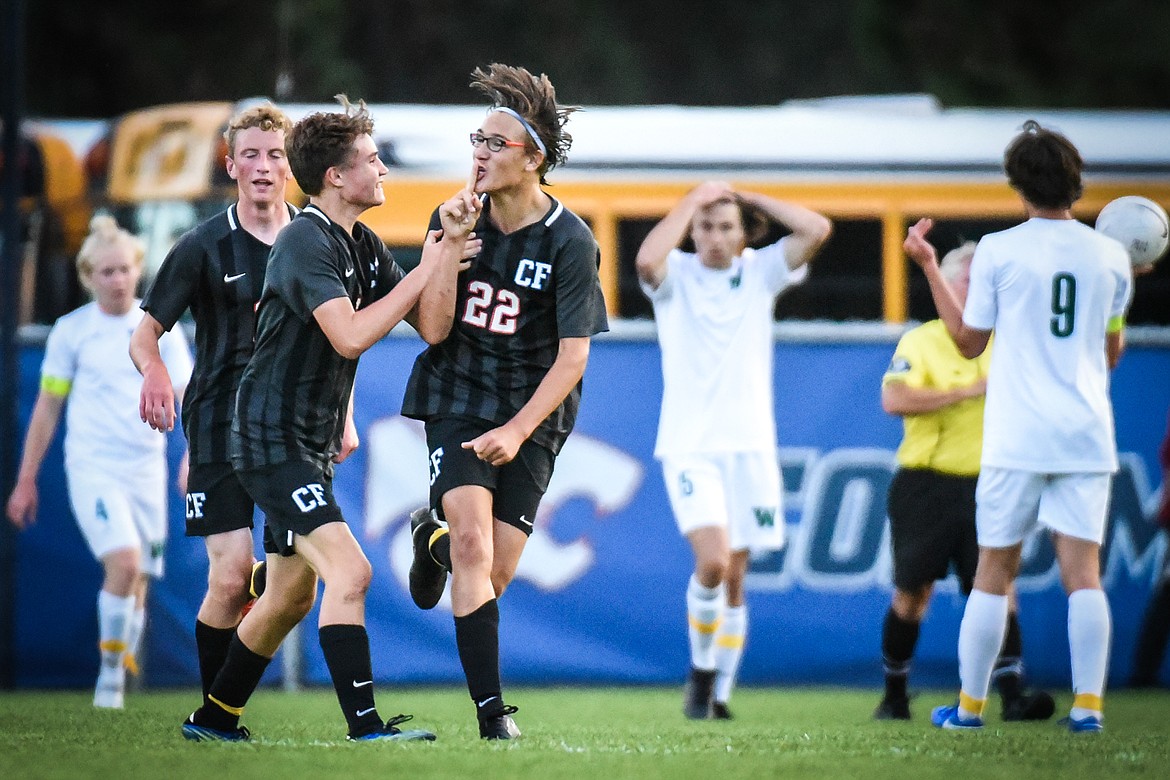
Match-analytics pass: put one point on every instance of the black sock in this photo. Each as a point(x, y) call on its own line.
point(1009, 667)
point(347, 654)
point(211, 644)
point(441, 551)
point(233, 686)
point(478, 638)
point(899, 638)
point(1151, 642)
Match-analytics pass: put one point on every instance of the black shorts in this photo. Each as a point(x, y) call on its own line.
point(517, 487)
point(296, 497)
point(216, 501)
point(932, 526)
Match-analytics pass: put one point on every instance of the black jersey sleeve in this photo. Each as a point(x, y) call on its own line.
point(580, 302)
point(306, 268)
point(176, 282)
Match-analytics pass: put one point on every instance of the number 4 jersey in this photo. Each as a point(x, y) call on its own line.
point(523, 293)
point(1051, 290)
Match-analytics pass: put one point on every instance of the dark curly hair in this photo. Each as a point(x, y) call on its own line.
point(322, 141)
point(1044, 167)
point(533, 98)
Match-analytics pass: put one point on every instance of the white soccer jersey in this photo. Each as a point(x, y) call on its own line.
point(1049, 289)
point(87, 358)
point(715, 331)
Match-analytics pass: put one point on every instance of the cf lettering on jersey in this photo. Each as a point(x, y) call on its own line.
point(530, 273)
point(436, 464)
point(195, 502)
point(309, 497)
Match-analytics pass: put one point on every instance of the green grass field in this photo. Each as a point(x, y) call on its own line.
point(594, 733)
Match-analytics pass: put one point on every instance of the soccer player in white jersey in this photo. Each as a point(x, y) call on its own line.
point(717, 430)
point(1055, 292)
point(115, 467)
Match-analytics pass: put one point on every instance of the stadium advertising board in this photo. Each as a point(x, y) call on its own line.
point(599, 594)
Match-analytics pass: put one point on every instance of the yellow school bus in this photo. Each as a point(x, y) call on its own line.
point(873, 165)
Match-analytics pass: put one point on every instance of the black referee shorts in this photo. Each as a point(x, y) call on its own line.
point(296, 497)
point(932, 526)
point(517, 487)
point(216, 501)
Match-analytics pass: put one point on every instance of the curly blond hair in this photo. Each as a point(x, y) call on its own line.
point(104, 233)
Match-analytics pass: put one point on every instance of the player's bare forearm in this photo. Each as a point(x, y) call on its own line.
point(810, 230)
point(666, 235)
point(899, 398)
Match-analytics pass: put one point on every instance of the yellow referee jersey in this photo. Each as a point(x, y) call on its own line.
point(949, 440)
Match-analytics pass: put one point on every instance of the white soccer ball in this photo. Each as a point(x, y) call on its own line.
point(1140, 225)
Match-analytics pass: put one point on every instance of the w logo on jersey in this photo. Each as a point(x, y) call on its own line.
point(765, 516)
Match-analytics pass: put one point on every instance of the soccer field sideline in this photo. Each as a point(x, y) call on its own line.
point(576, 732)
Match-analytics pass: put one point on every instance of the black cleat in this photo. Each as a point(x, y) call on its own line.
point(719, 711)
point(892, 708)
point(1030, 706)
point(196, 733)
point(258, 579)
point(697, 693)
point(391, 733)
point(427, 578)
point(499, 725)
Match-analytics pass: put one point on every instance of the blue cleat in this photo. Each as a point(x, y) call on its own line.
point(391, 733)
point(1089, 724)
point(947, 717)
point(197, 733)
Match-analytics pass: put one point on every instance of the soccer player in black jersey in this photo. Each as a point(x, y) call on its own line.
point(332, 291)
point(217, 270)
point(500, 394)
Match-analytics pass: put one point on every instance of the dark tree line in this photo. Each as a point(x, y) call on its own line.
point(97, 59)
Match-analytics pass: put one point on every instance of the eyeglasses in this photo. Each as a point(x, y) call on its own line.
point(494, 142)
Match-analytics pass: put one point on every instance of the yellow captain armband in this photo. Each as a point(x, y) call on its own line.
point(1115, 324)
point(56, 386)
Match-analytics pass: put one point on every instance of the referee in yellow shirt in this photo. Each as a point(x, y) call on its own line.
point(939, 396)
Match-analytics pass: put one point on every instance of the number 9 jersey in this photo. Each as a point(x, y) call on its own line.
point(523, 293)
point(1051, 290)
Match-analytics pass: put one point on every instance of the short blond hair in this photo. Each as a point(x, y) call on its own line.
point(953, 260)
point(264, 116)
point(104, 233)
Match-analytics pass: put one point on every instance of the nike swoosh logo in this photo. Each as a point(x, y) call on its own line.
point(483, 703)
point(526, 522)
point(357, 684)
point(230, 279)
point(365, 712)
point(348, 272)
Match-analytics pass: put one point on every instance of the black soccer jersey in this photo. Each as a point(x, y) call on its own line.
point(524, 292)
point(216, 269)
point(295, 390)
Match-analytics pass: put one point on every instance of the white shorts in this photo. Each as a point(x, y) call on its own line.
point(116, 513)
point(1009, 503)
point(739, 491)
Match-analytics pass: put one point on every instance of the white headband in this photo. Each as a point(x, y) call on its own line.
point(535, 138)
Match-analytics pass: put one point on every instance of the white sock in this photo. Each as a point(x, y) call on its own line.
point(115, 614)
point(134, 637)
point(1089, 632)
point(729, 650)
point(980, 639)
point(704, 610)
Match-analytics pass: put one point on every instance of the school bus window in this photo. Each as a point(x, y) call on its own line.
point(845, 278)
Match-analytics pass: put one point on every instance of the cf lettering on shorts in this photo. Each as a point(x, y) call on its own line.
point(195, 502)
point(436, 464)
point(309, 497)
point(530, 273)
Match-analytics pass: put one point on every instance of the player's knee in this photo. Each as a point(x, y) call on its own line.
point(122, 569)
point(352, 581)
point(711, 571)
point(228, 585)
point(470, 549)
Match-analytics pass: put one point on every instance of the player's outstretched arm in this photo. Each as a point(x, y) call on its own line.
point(666, 235)
point(810, 230)
point(156, 402)
point(22, 504)
point(971, 342)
